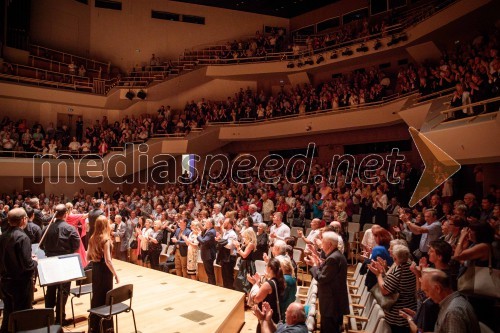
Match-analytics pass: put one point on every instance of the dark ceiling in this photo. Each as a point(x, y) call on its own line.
point(281, 8)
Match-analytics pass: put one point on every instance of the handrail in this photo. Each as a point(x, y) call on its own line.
point(75, 85)
point(38, 47)
point(60, 63)
point(359, 107)
point(440, 93)
point(470, 105)
point(397, 28)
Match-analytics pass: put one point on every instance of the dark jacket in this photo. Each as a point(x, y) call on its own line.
point(61, 239)
point(332, 285)
point(41, 219)
point(208, 245)
point(93, 215)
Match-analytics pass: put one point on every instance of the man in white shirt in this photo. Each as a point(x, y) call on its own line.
point(218, 217)
point(227, 264)
point(279, 230)
point(313, 235)
point(267, 208)
point(74, 146)
point(255, 215)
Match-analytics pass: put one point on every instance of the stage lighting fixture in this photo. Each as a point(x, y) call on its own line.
point(309, 61)
point(130, 95)
point(300, 63)
point(362, 48)
point(334, 55)
point(378, 45)
point(320, 59)
point(347, 52)
point(403, 37)
point(141, 94)
point(290, 65)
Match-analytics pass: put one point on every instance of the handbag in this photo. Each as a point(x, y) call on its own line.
point(385, 301)
point(134, 244)
point(484, 281)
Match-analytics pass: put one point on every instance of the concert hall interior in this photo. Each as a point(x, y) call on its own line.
point(287, 166)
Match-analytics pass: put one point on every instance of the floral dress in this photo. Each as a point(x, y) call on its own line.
point(192, 255)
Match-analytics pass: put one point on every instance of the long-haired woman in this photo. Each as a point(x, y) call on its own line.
point(99, 252)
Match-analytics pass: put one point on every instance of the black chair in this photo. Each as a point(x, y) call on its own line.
point(114, 305)
point(83, 287)
point(33, 321)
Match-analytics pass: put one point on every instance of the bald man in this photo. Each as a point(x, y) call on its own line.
point(61, 238)
point(16, 266)
point(295, 319)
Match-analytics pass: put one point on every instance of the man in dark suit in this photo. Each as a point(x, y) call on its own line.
point(99, 194)
point(94, 214)
point(331, 274)
point(39, 219)
point(208, 249)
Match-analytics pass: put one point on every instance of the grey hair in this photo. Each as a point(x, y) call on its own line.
point(280, 246)
point(401, 252)
point(331, 237)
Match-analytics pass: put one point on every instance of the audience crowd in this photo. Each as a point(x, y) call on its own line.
point(253, 222)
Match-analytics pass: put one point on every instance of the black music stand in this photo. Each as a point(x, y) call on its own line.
point(60, 270)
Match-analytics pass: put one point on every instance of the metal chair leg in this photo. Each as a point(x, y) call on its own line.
point(133, 317)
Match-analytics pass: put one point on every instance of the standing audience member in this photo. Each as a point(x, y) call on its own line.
point(154, 245)
point(227, 253)
point(331, 274)
point(99, 253)
point(192, 254)
point(181, 248)
point(456, 314)
point(16, 267)
point(208, 249)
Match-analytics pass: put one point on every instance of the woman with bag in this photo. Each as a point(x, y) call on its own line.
point(271, 291)
point(474, 251)
point(397, 288)
point(247, 262)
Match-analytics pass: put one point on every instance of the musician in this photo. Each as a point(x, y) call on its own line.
point(16, 267)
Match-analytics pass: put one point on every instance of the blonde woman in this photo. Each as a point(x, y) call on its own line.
point(192, 255)
point(99, 252)
point(290, 284)
point(246, 252)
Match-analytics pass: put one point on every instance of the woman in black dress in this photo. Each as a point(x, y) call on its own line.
point(99, 252)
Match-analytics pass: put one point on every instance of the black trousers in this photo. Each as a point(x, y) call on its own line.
point(17, 295)
point(228, 272)
point(52, 299)
point(209, 269)
point(330, 324)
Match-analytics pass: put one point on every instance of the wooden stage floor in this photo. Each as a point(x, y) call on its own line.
point(167, 303)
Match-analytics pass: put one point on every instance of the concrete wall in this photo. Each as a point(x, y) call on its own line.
point(129, 37)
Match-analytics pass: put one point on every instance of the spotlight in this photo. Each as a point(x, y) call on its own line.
point(141, 94)
point(347, 52)
point(362, 48)
point(309, 61)
point(378, 45)
point(334, 55)
point(403, 37)
point(130, 95)
point(300, 63)
point(290, 65)
point(320, 59)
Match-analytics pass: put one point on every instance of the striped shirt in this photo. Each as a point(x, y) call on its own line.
point(456, 316)
point(401, 280)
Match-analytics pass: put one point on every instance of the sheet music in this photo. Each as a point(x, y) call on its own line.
point(58, 269)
